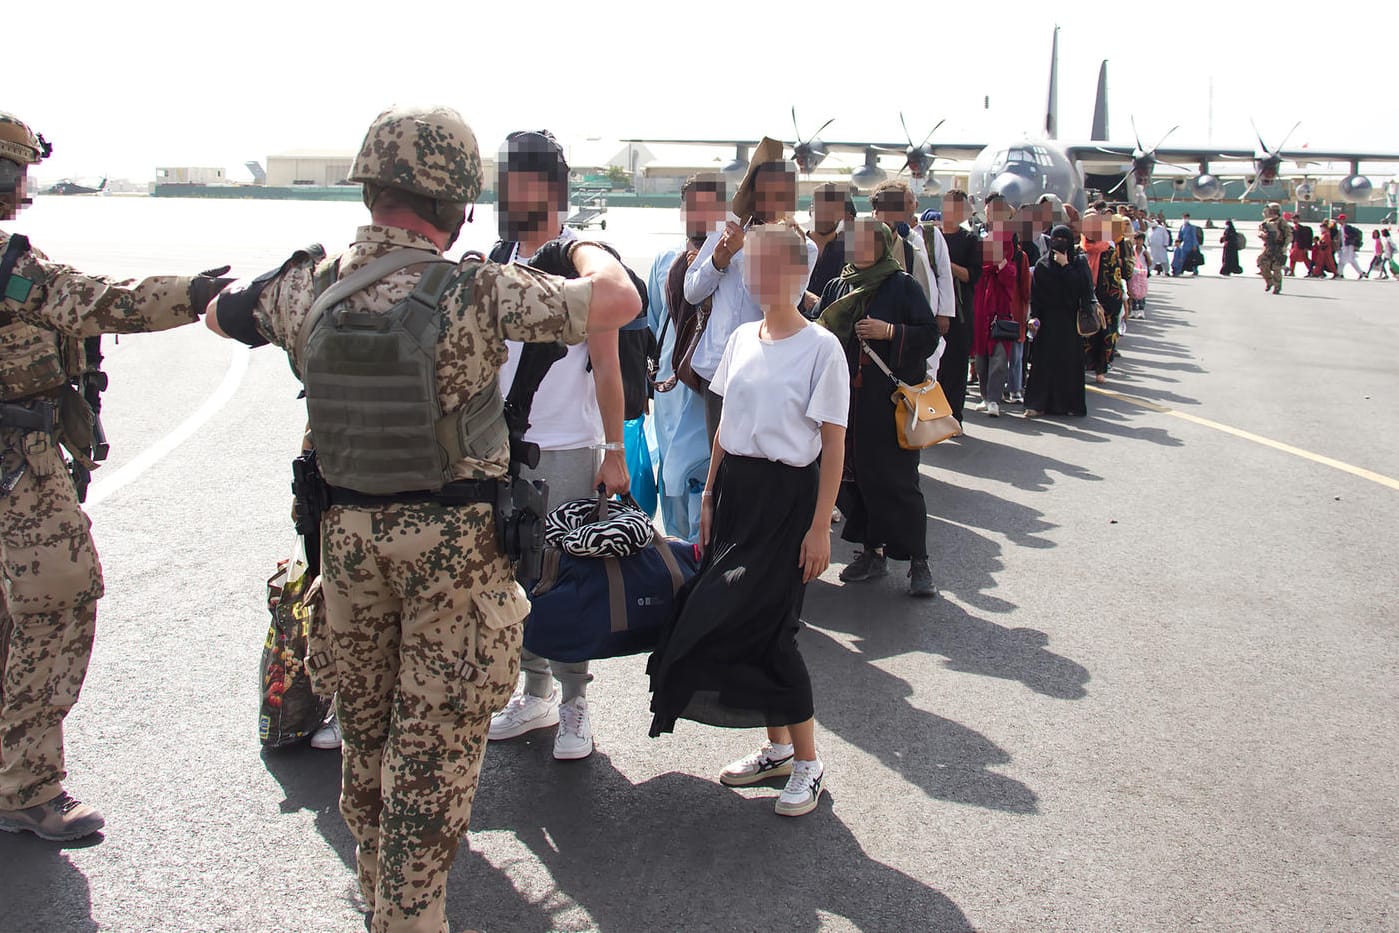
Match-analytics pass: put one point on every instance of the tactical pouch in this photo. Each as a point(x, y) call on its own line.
point(75, 425)
point(30, 361)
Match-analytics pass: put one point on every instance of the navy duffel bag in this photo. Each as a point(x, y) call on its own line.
point(586, 608)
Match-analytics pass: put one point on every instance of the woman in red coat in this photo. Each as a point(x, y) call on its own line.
point(1002, 293)
point(1324, 250)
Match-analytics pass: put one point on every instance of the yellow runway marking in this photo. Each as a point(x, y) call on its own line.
point(1361, 472)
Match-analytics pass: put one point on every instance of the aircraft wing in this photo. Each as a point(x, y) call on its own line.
point(1090, 150)
point(941, 150)
point(695, 142)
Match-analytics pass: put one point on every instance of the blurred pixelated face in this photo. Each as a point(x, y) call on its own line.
point(826, 212)
point(998, 212)
point(528, 204)
point(775, 265)
point(774, 195)
point(867, 244)
point(1095, 227)
point(999, 245)
point(704, 211)
point(954, 212)
point(894, 207)
point(11, 203)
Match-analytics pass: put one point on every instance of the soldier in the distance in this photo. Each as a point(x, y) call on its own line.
point(52, 579)
point(423, 614)
point(1276, 234)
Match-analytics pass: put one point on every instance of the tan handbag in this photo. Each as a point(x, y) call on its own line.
point(922, 415)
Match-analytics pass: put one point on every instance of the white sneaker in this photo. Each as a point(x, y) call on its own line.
point(993, 410)
point(575, 737)
point(524, 713)
point(328, 735)
point(803, 789)
point(980, 406)
point(759, 766)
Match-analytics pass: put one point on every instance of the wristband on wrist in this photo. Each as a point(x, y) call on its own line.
point(610, 446)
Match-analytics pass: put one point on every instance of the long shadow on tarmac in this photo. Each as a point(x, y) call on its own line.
point(675, 852)
point(37, 880)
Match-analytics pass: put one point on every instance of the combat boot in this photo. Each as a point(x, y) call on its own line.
point(59, 820)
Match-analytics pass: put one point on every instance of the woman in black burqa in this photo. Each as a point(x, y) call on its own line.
point(1230, 239)
point(1062, 285)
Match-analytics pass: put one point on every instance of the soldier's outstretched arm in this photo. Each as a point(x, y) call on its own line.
point(615, 299)
point(59, 297)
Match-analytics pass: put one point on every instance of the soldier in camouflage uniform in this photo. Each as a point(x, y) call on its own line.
point(52, 580)
point(1276, 234)
point(423, 614)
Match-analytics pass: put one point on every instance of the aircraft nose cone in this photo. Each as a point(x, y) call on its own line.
point(1011, 187)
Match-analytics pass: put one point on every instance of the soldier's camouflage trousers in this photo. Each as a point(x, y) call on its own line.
point(1271, 266)
point(423, 623)
point(48, 612)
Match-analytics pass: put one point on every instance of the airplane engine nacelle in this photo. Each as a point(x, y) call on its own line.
point(927, 186)
point(867, 177)
point(1206, 187)
point(1356, 188)
point(1304, 191)
point(1178, 185)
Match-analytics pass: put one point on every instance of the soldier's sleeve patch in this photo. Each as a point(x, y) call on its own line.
point(18, 288)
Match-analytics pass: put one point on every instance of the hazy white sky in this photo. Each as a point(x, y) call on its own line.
point(120, 88)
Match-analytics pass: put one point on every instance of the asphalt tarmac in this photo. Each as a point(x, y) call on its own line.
point(1158, 691)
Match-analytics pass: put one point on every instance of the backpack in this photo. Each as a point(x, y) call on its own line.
point(636, 344)
point(1354, 238)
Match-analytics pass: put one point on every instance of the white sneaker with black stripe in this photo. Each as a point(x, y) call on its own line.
point(803, 789)
point(762, 765)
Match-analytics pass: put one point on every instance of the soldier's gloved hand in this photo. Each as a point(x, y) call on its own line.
point(204, 286)
point(553, 257)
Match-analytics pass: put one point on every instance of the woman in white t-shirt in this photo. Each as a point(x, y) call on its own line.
point(730, 657)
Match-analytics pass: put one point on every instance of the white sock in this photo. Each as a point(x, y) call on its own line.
point(777, 751)
point(813, 765)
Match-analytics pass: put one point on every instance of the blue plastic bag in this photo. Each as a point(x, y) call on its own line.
point(643, 474)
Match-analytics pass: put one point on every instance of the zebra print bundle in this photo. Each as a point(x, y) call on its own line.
point(574, 528)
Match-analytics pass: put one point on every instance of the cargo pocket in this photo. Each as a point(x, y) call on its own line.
point(490, 676)
point(320, 653)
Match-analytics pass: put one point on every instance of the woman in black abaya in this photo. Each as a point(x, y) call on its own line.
point(1062, 285)
point(1230, 239)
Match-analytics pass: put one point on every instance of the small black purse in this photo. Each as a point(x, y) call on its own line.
point(1005, 329)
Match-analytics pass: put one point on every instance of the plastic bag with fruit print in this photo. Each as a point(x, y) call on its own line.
point(290, 710)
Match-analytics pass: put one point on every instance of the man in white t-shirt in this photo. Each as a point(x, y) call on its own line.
point(575, 413)
point(768, 194)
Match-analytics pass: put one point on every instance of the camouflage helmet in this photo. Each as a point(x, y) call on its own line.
point(429, 151)
point(18, 142)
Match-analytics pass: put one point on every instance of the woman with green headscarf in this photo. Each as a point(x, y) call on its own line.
point(876, 303)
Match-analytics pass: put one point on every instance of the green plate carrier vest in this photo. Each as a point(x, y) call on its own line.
point(371, 385)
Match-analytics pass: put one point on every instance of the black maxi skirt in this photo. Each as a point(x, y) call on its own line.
point(730, 656)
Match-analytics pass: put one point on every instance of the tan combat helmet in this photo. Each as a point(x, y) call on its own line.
point(429, 151)
point(18, 142)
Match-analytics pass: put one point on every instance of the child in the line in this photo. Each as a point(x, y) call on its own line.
point(1137, 284)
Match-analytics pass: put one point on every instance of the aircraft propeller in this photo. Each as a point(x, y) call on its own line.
point(1268, 159)
point(918, 159)
point(1144, 161)
point(809, 152)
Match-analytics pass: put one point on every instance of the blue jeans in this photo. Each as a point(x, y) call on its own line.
point(1017, 368)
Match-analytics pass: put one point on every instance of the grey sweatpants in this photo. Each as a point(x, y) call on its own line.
point(570, 475)
point(992, 371)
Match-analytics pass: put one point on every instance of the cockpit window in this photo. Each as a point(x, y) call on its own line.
point(999, 162)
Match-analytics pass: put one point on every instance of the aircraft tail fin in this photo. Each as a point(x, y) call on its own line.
point(259, 174)
point(1100, 106)
point(1051, 114)
point(103, 185)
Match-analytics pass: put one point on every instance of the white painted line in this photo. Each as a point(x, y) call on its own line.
point(1387, 481)
point(112, 483)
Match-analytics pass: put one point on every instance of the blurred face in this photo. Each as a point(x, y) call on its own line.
point(826, 213)
point(527, 205)
point(998, 245)
point(954, 213)
point(1093, 227)
point(775, 268)
point(866, 243)
point(10, 204)
point(704, 211)
point(997, 213)
point(774, 196)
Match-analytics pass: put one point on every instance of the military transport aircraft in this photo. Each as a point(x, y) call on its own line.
point(1026, 170)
